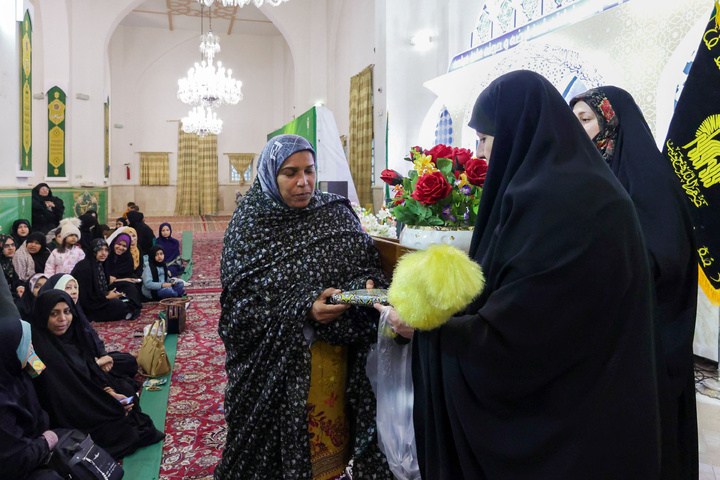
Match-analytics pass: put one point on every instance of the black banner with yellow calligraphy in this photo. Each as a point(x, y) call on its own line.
point(56, 133)
point(693, 148)
point(26, 93)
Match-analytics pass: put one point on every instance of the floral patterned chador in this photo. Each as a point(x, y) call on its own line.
point(276, 261)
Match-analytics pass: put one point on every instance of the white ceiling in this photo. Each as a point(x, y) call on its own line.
point(185, 15)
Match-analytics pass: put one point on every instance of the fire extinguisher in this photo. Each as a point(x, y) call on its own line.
point(127, 170)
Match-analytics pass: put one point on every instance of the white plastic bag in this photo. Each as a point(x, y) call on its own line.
point(394, 392)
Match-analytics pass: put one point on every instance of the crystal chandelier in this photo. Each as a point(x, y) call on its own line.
point(202, 121)
point(241, 3)
point(207, 87)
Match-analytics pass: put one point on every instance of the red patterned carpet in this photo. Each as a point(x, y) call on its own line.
point(195, 425)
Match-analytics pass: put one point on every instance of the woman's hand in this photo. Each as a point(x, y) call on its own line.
point(119, 397)
point(114, 294)
point(323, 312)
point(396, 323)
point(369, 284)
point(167, 285)
point(105, 363)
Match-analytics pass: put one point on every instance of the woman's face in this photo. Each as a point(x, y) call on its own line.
point(102, 254)
point(71, 288)
point(587, 118)
point(9, 248)
point(71, 240)
point(165, 231)
point(133, 238)
point(159, 256)
point(120, 247)
point(23, 230)
point(44, 191)
point(32, 247)
point(119, 224)
point(485, 144)
point(38, 285)
point(60, 319)
point(296, 179)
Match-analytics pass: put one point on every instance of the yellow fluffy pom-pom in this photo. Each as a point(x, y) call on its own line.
point(431, 285)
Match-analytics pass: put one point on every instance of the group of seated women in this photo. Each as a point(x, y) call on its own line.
point(116, 276)
point(81, 387)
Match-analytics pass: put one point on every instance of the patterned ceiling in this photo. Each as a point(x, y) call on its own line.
point(185, 15)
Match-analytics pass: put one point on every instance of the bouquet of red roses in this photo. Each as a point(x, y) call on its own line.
point(443, 189)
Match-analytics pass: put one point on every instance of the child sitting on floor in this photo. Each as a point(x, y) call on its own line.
point(156, 281)
point(171, 247)
point(64, 258)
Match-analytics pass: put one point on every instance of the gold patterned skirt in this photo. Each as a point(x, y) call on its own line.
point(327, 422)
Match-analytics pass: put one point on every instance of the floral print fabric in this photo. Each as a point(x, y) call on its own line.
point(275, 263)
point(607, 121)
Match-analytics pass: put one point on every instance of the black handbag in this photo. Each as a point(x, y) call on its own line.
point(76, 457)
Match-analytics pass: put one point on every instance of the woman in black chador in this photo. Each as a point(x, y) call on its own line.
point(549, 373)
point(47, 210)
point(615, 123)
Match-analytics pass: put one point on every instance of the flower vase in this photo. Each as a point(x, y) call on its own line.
point(422, 237)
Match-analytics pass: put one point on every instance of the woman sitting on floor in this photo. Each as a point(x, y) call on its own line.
point(176, 265)
point(26, 441)
point(32, 289)
point(74, 390)
point(119, 364)
point(98, 300)
point(145, 235)
point(64, 258)
point(157, 282)
point(30, 258)
point(6, 261)
point(20, 231)
point(122, 274)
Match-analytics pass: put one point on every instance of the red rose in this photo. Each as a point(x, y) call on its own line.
point(431, 187)
point(391, 177)
point(398, 200)
point(440, 151)
point(462, 155)
point(475, 169)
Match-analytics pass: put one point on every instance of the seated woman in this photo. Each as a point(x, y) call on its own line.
point(549, 373)
point(145, 235)
point(176, 265)
point(89, 230)
point(6, 261)
point(64, 258)
point(119, 364)
point(31, 257)
point(122, 275)
point(98, 301)
point(47, 210)
point(26, 441)
point(20, 231)
point(157, 282)
point(287, 249)
point(74, 390)
point(32, 288)
point(616, 125)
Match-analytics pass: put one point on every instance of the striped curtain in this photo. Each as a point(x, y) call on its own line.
point(361, 134)
point(197, 187)
point(240, 162)
point(154, 168)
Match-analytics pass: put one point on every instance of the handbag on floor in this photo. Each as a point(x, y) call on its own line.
point(153, 357)
point(175, 313)
point(77, 457)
